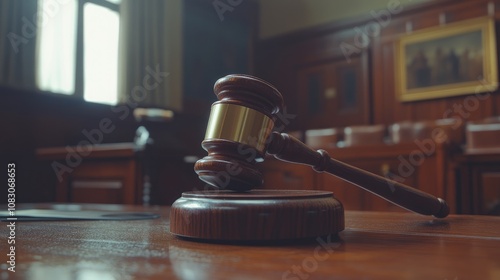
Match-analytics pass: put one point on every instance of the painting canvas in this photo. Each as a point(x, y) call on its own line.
point(446, 61)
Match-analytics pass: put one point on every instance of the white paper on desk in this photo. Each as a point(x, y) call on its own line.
point(51, 215)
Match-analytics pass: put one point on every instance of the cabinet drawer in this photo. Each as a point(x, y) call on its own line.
point(479, 184)
point(101, 181)
point(489, 193)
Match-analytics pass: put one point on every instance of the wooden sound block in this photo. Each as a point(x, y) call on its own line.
point(257, 215)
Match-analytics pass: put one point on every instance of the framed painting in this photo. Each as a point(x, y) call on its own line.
point(450, 60)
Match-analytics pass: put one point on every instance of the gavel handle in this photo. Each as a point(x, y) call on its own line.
point(288, 148)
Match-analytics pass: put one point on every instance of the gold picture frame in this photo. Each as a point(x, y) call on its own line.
point(450, 60)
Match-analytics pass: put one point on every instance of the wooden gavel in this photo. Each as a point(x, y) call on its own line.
point(240, 133)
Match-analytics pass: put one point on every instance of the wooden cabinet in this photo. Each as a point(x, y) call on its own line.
point(120, 173)
point(404, 163)
point(487, 198)
point(479, 183)
point(110, 173)
point(334, 93)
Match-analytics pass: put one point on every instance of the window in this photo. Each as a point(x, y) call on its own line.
point(101, 27)
point(78, 48)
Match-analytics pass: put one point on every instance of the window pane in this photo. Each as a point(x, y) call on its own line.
point(55, 67)
point(101, 26)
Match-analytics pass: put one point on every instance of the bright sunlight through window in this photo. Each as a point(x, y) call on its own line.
point(57, 50)
point(101, 30)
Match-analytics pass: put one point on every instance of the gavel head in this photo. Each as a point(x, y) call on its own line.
point(238, 131)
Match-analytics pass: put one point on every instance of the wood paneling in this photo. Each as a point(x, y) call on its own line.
point(490, 196)
point(333, 93)
point(495, 104)
point(280, 57)
point(387, 109)
point(479, 183)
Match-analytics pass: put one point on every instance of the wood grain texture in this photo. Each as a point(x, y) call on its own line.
point(258, 215)
point(479, 183)
point(373, 246)
point(387, 108)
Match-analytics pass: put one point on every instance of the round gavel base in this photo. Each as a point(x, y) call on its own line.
point(257, 215)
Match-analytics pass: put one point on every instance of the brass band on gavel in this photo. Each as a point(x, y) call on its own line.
point(239, 124)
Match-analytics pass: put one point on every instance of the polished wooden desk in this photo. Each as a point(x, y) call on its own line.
point(373, 246)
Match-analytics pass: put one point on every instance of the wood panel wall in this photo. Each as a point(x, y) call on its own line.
point(280, 59)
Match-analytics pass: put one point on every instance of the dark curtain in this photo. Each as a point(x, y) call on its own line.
point(150, 60)
point(18, 28)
